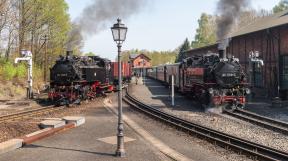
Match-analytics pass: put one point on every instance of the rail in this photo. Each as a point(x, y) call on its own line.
point(257, 151)
point(28, 113)
point(266, 122)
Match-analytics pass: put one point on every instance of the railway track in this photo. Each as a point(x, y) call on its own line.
point(229, 142)
point(28, 113)
point(266, 122)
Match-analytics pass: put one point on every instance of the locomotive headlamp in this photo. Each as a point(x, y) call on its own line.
point(119, 31)
point(248, 91)
point(210, 90)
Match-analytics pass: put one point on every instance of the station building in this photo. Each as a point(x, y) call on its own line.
point(268, 36)
point(139, 62)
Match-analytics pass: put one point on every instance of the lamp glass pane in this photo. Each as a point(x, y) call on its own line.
point(115, 33)
point(123, 34)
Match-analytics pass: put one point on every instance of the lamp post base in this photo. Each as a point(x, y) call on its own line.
point(120, 153)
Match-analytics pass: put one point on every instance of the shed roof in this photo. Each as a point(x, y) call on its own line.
point(264, 23)
point(271, 21)
point(134, 56)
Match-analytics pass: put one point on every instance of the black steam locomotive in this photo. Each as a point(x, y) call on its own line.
point(211, 79)
point(74, 78)
point(215, 81)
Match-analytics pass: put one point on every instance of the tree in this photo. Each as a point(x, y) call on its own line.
point(185, 46)
point(206, 32)
point(90, 54)
point(281, 6)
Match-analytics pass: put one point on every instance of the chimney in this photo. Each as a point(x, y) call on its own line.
point(223, 44)
point(69, 53)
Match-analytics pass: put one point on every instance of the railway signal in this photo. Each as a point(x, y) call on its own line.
point(119, 31)
point(27, 56)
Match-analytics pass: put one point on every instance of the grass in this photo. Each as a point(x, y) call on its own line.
point(13, 78)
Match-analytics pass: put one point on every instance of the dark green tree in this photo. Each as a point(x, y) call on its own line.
point(281, 6)
point(185, 46)
point(206, 32)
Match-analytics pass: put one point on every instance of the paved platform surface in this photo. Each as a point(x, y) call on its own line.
point(91, 141)
point(157, 95)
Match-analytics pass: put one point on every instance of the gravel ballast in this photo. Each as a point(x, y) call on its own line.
point(190, 111)
point(19, 128)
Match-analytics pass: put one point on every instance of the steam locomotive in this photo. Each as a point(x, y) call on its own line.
point(77, 78)
point(210, 78)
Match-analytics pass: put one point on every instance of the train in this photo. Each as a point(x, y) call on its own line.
point(211, 79)
point(77, 78)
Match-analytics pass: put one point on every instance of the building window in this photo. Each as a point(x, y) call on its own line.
point(257, 75)
point(139, 63)
point(284, 72)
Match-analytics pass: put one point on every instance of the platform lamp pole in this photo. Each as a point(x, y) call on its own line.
point(119, 31)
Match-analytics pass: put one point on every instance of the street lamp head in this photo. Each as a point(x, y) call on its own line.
point(119, 31)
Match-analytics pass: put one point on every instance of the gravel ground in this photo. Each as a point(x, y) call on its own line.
point(193, 113)
point(267, 110)
point(14, 106)
point(192, 147)
point(12, 130)
point(9, 130)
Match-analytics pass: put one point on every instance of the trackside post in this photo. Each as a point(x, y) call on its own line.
point(172, 89)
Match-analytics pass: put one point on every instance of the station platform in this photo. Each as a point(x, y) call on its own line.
point(95, 140)
point(154, 93)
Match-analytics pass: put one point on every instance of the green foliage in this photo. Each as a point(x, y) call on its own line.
point(90, 54)
point(281, 6)
point(206, 32)
point(9, 71)
point(21, 70)
point(184, 47)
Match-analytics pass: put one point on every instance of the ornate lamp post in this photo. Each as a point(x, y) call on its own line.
point(119, 31)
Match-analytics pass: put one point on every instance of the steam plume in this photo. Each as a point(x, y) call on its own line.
point(230, 11)
point(102, 13)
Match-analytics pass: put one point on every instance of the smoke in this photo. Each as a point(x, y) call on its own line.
point(75, 39)
point(101, 14)
point(230, 11)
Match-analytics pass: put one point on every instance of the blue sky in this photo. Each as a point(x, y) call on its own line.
point(163, 25)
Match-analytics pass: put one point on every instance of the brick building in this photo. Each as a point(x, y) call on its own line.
point(140, 61)
point(268, 36)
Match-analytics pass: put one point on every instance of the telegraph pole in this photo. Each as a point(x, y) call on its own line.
point(45, 38)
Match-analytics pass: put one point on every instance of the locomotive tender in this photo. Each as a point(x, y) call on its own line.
point(77, 78)
point(211, 79)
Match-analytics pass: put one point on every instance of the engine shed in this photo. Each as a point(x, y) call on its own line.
point(268, 36)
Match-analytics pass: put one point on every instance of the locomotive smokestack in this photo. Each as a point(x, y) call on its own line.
point(223, 44)
point(69, 53)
